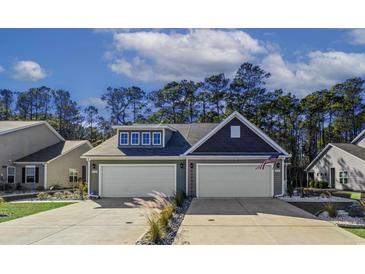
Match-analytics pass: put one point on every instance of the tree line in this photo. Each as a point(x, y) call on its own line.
point(303, 126)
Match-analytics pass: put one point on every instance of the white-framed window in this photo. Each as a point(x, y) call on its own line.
point(135, 138)
point(235, 131)
point(124, 138)
point(146, 138)
point(343, 177)
point(11, 174)
point(73, 175)
point(30, 174)
point(156, 140)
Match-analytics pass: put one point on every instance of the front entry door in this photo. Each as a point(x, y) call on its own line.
point(333, 178)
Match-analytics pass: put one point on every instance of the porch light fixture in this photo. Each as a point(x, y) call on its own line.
point(191, 165)
point(94, 166)
point(181, 165)
point(277, 165)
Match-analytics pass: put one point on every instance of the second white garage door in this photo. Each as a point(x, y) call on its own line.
point(233, 180)
point(136, 180)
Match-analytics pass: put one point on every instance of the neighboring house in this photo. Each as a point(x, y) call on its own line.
point(342, 165)
point(203, 160)
point(34, 156)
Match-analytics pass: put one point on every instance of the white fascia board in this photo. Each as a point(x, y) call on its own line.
point(318, 156)
point(144, 127)
point(254, 128)
point(358, 137)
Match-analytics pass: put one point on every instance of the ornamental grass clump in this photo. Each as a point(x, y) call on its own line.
point(180, 198)
point(159, 210)
point(42, 196)
point(331, 209)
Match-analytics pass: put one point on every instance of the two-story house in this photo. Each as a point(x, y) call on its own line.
point(34, 156)
point(231, 159)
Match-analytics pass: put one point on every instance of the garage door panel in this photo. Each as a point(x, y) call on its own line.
point(233, 181)
point(136, 180)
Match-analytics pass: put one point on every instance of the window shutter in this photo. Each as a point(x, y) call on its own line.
point(23, 175)
point(37, 174)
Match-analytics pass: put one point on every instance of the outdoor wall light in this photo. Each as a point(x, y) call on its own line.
point(277, 165)
point(191, 165)
point(181, 165)
point(94, 166)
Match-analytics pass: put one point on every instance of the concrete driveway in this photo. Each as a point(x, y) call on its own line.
point(256, 221)
point(105, 221)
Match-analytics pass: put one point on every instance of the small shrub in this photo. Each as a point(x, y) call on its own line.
point(42, 196)
point(355, 211)
point(362, 204)
point(18, 186)
point(180, 198)
point(311, 184)
point(331, 209)
point(81, 190)
point(155, 231)
point(2, 201)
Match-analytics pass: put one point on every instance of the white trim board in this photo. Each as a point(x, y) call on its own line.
point(135, 165)
point(231, 164)
point(251, 126)
point(358, 137)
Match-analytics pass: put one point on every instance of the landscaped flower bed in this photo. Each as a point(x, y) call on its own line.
point(343, 219)
point(164, 216)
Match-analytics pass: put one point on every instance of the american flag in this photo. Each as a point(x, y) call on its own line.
point(271, 159)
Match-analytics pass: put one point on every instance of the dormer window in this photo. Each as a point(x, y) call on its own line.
point(146, 138)
point(235, 131)
point(156, 138)
point(135, 138)
point(124, 136)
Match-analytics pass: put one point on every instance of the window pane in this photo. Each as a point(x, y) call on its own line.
point(11, 171)
point(145, 138)
point(135, 138)
point(124, 138)
point(156, 138)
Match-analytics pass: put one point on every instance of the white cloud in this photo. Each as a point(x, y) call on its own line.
point(357, 36)
point(93, 101)
point(28, 71)
point(2, 69)
point(321, 70)
point(173, 56)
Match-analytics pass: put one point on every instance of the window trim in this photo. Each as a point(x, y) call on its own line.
point(234, 133)
point(153, 138)
point(7, 174)
point(69, 175)
point(120, 138)
point(34, 168)
point(343, 178)
point(149, 138)
point(139, 138)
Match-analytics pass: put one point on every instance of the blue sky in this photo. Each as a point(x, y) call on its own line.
point(87, 61)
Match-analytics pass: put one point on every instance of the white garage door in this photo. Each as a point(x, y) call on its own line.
point(233, 180)
point(136, 180)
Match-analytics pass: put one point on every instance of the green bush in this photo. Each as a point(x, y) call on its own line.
point(318, 184)
point(331, 209)
point(323, 184)
point(311, 184)
point(2, 201)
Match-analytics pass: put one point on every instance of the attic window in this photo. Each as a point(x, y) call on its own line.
point(235, 131)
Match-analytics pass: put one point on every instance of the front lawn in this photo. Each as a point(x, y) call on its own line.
point(357, 231)
point(18, 210)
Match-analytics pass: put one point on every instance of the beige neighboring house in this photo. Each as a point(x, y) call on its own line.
point(342, 165)
point(34, 156)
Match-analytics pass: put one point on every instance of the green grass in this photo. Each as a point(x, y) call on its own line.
point(357, 231)
point(18, 210)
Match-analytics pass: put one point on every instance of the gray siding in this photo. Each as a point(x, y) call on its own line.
point(222, 143)
point(192, 174)
point(20, 143)
point(341, 161)
point(94, 177)
point(58, 170)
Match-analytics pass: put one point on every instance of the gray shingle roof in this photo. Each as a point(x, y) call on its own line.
point(352, 149)
point(6, 126)
point(52, 152)
point(185, 137)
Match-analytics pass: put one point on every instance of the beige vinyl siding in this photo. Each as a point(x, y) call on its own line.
point(58, 170)
point(192, 173)
point(94, 172)
point(20, 143)
point(341, 161)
